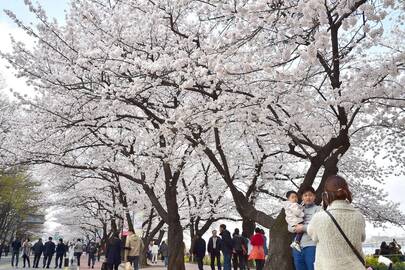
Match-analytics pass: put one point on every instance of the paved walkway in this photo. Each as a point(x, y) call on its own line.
point(5, 265)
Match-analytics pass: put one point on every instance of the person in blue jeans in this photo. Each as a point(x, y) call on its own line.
point(305, 259)
point(227, 246)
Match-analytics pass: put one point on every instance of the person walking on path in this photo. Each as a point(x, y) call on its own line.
point(333, 251)
point(265, 247)
point(6, 249)
point(91, 251)
point(164, 251)
point(239, 251)
point(305, 259)
point(257, 253)
point(199, 251)
point(133, 248)
point(15, 249)
point(214, 250)
point(60, 253)
point(245, 237)
point(78, 250)
point(1, 249)
point(113, 252)
point(49, 250)
point(155, 252)
point(26, 250)
point(226, 246)
point(99, 250)
point(38, 248)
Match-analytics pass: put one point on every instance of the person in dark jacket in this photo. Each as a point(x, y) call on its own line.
point(15, 249)
point(214, 250)
point(38, 248)
point(227, 246)
point(164, 251)
point(6, 249)
point(1, 249)
point(60, 253)
point(49, 250)
point(239, 251)
point(384, 249)
point(113, 252)
point(199, 251)
point(91, 251)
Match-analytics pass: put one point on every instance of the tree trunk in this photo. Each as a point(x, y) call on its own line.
point(248, 226)
point(176, 246)
point(160, 236)
point(175, 232)
point(279, 246)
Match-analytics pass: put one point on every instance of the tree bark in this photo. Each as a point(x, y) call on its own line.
point(248, 226)
point(279, 246)
point(175, 232)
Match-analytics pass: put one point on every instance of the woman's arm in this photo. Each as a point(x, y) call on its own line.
point(311, 228)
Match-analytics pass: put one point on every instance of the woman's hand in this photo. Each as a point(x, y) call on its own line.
point(299, 228)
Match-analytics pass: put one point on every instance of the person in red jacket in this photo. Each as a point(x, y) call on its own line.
point(257, 253)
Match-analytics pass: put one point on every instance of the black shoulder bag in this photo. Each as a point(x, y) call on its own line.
point(355, 251)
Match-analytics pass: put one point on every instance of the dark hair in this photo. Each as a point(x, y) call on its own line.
point(50, 238)
point(131, 230)
point(258, 230)
point(289, 193)
point(223, 226)
point(236, 231)
point(60, 240)
point(306, 189)
point(79, 239)
point(262, 231)
point(336, 188)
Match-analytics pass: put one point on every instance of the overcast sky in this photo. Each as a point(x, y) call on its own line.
point(395, 186)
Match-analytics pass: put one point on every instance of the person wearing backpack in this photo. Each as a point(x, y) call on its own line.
point(199, 250)
point(239, 251)
point(133, 248)
point(339, 231)
point(78, 250)
point(91, 252)
point(38, 248)
point(60, 252)
point(49, 250)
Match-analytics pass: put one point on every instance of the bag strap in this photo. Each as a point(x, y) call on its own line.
point(355, 251)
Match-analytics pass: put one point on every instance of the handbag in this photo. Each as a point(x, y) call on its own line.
point(355, 251)
point(128, 266)
point(104, 266)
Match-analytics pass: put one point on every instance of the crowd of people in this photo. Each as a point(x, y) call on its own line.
point(61, 250)
point(133, 249)
point(237, 250)
point(390, 249)
point(325, 237)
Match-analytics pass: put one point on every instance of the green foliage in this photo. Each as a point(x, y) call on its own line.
point(373, 262)
point(19, 197)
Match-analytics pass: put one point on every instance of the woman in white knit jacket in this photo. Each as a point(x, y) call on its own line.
point(332, 251)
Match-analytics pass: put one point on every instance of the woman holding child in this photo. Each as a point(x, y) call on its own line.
point(329, 239)
point(304, 248)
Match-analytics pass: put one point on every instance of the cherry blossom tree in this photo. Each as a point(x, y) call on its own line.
point(265, 91)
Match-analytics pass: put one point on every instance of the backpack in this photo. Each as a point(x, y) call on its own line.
point(93, 249)
point(237, 243)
